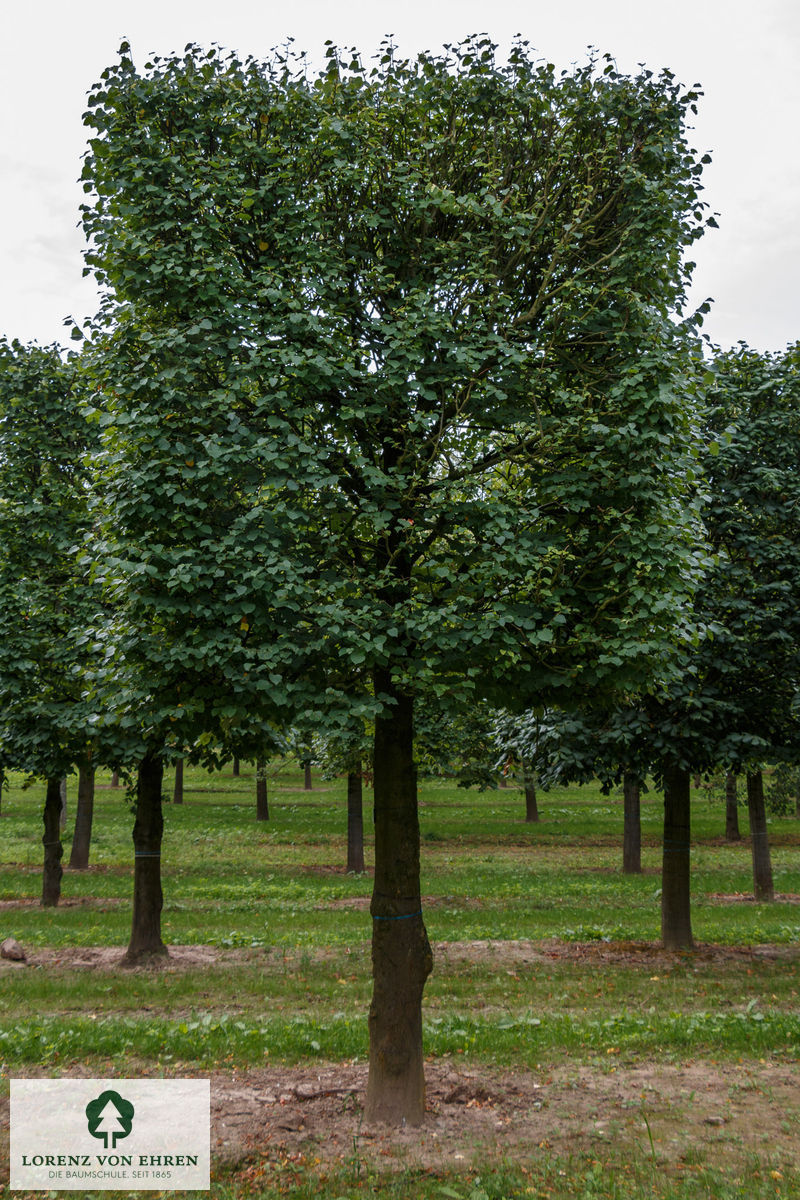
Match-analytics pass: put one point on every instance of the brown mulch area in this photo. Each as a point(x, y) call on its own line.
point(474, 1114)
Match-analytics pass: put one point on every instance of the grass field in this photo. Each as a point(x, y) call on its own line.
point(547, 969)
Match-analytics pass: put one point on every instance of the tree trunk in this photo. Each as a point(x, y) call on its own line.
point(307, 777)
point(62, 818)
point(3, 784)
point(235, 769)
point(676, 924)
point(529, 784)
point(763, 888)
point(632, 825)
point(177, 791)
point(115, 778)
point(51, 840)
point(148, 898)
point(401, 953)
point(732, 833)
point(262, 800)
point(355, 822)
point(84, 813)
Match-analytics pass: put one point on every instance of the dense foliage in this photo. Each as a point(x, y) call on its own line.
point(46, 600)
point(391, 380)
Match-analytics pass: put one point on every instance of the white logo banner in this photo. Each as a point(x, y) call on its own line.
point(115, 1134)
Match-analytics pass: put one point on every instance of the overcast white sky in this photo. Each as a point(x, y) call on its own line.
point(744, 54)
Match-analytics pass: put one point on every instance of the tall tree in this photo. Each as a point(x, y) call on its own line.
point(395, 395)
point(46, 599)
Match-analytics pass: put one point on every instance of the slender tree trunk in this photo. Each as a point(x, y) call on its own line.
point(148, 898)
point(115, 778)
point(355, 822)
point(401, 953)
point(307, 777)
point(62, 817)
point(3, 784)
point(531, 803)
point(632, 825)
point(732, 833)
point(676, 925)
point(235, 770)
point(763, 887)
point(84, 814)
point(177, 791)
point(262, 800)
point(796, 796)
point(51, 840)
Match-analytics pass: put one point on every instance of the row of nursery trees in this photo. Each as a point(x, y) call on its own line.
point(392, 403)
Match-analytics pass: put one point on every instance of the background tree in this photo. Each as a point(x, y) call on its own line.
point(733, 703)
point(350, 753)
point(46, 600)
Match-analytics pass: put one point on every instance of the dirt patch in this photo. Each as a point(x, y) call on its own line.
point(647, 955)
point(78, 902)
point(108, 958)
point(699, 1110)
point(702, 1108)
point(600, 953)
point(748, 898)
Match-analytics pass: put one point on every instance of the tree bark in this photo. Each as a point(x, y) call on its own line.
point(632, 825)
point(84, 814)
point(529, 784)
point(235, 769)
point(355, 822)
point(676, 925)
point(51, 840)
point(307, 777)
point(62, 818)
point(262, 800)
point(732, 833)
point(115, 778)
point(177, 791)
point(3, 784)
point(148, 898)
point(401, 953)
point(763, 887)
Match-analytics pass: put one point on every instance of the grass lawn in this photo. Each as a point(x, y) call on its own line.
point(568, 1055)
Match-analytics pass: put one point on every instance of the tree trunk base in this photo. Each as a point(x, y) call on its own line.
point(395, 1100)
point(52, 871)
point(148, 897)
point(763, 887)
point(144, 958)
point(676, 923)
point(396, 1082)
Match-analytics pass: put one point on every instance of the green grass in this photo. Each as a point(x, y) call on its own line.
point(295, 986)
point(208, 1039)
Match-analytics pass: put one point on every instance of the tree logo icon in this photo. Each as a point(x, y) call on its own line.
point(110, 1117)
